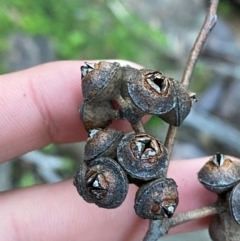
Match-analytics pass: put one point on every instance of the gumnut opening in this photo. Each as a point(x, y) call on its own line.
point(219, 174)
point(157, 199)
point(142, 156)
point(106, 183)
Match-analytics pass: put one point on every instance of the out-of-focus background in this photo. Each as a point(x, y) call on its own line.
point(157, 34)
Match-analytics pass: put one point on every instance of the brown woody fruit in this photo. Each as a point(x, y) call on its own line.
point(80, 183)
point(102, 143)
point(142, 156)
point(219, 174)
point(131, 112)
point(96, 114)
point(224, 228)
point(182, 107)
point(157, 199)
point(234, 203)
point(154, 93)
point(100, 81)
point(105, 183)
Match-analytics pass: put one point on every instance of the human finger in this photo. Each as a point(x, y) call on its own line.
point(56, 212)
point(40, 106)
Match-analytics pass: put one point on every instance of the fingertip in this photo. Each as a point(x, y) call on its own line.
point(62, 215)
point(40, 105)
point(58, 212)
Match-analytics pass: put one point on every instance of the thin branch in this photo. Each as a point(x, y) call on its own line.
point(164, 225)
point(154, 231)
point(169, 141)
point(208, 25)
point(193, 214)
point(138, 127)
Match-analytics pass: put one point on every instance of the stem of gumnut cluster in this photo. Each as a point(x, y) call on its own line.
point(156, 226)
point(180, 218)
point(138, 127)
point(193, 214)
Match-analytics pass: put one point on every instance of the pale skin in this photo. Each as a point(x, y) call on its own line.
point(39, 106)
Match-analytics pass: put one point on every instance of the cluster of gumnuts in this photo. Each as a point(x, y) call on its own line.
point(113, 159)
point(221, 175)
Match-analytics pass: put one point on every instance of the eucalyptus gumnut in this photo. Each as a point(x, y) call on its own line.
point(100, 81)
point(183, 103)
point(142, 156)
point(224, 228)
point(102, 143)
point(103, 183)
point(96, 114)
point(157, 199)
point(80, 183)
point(219, 174)
point(154, 93)
point(234, 203)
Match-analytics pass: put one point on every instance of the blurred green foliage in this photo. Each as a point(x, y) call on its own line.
point(81, 29)
point(28, 179)
point(49, 149)
point(24, 174)
point(98, 29)
point(226, 8)
point(69, 167)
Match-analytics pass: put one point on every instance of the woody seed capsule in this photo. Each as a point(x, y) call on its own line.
point(219, 174)
point(224, 228)
point(100, 81)
point(234, 203)
point(104, 183)
point(80, 183)
point(154, 93)
point(102, 143)
point(157, 199)
point(142, 156)
point(96, 114)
